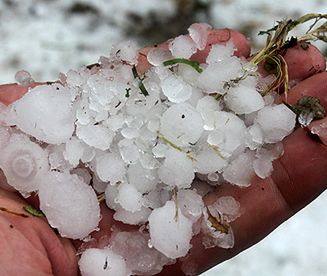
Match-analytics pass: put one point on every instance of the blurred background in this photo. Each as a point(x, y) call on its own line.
point(46, 37)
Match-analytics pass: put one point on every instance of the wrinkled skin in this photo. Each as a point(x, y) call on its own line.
point(30, 247)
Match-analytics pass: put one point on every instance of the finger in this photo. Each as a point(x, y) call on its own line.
point(319, 128)
point(12, 92)
point(302, 62)
point(222, 36)
point(299, 176)
point(314, 86)
point(216, 36)
point(28, 235)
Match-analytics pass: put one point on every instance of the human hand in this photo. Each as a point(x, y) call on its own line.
point(265, 204)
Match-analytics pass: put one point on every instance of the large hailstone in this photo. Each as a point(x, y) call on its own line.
point(129, 197)
point(229, 133)
point(110, 168)
point(96, 136)
point(191, 204)
point(144, 180)
point(182, 47)
point(140, 258)
point(133, 218)
point(69, 204)
point(208, 160)
point(215, 75)
point(45, 112)
point(102, 262)
point(170, 231)
point(181, 124)
point(176, 170)
point(240, 171)
point(276, 121)
point(244, 100)
point(207, 106)
point(24, 163)
point(176, 89)
point(199, 34)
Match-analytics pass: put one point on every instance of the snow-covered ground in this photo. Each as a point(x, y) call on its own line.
point(49, 36)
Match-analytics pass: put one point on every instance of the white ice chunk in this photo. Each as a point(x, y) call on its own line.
point(215, 75)
point(276, 122)
point(270, 151)
point(110, 167)
point(177, 169)
point(115, 122)
point(255, 137)
point(207, 106)
point(96, 136)
point(199, 34)
point(140, 258)
point(23, 78)
point(69, 204)
point(45, 112)
point(4, 136)
point(134, 218)
point(181, 124)
point(101, 90)
point(220, 52)
point(129, 151)
point(156, 198)
point(213, 237)
point(188, 73)
point(102, 262)
point(263, 167)
point(83, 174)
point(74, 78)
point(111, 193)
point(182, 46)
point(160, 150)
point(191, 204)
point(243, 100)
point(229, 133)
point(226, 207)
point(176, 89)
point(209, 160)
point(156, 56)
point(126, 50)
point(170, 230)
point(143, 179)
point(24, 163)
point(74, 150)
point(240, 171)
point(129, 197)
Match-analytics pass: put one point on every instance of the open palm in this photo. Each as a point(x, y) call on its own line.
point(30, 247)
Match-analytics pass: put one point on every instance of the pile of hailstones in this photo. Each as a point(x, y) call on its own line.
point(139, 141)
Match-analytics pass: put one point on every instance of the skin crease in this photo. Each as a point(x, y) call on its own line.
point(32, 248)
